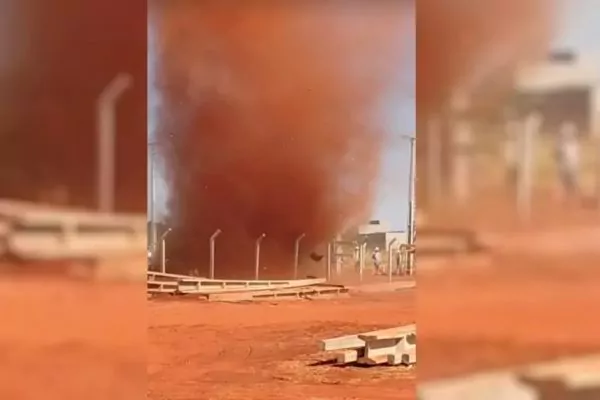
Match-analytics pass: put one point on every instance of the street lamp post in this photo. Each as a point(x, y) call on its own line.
point(410, 226)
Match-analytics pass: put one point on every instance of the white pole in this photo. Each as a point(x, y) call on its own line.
point(391, 258)
point(363, 251)
point(462, 140)
point(530, 127)
point(151, 195)
point(328, 272)
point(297, 254)
point(411, 191)
point(212, 253)
point(337, 253)
point(106, 127)
point(257, 256)
point(163, 240)
point(361, 258)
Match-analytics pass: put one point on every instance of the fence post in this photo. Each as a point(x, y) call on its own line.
point(163, 241)
point(337, 254)
point(461, 146)
point(530, 127)
point(328, 261)
point(106, 127)
point(297, 254)
point(212, 253)
point(257, 256)
point(363, 251)
point(410, 259)
point(404, 267)
point(360, 261)
point(390, 258)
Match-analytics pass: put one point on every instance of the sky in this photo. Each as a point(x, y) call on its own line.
point(579, 30)
point(581, 27)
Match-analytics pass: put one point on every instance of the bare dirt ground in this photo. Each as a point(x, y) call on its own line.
point(270, 350)
point(508, 315)
point(71, 339)
point(64, 339)
point(533, 299)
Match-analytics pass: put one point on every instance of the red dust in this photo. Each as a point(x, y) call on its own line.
point(473, 43)
point(59, 57)
point(270, 122)
point(475, 46)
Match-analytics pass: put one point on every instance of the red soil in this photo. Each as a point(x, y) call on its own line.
point(67, 339)
point(63, 339)
point(266, 350)
point(532, 301)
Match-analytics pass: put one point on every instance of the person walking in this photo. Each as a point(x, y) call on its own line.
point(377, 261)
point(567, 159)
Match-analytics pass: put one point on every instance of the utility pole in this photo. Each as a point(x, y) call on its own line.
point(411, 191)
point(151, 198)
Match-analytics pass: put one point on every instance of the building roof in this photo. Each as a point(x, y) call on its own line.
point(557, 73)
point(374, 226)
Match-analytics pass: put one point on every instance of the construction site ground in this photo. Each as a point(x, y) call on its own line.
point(530, 299)
point(64, 338)
point(270, 350)
point(68, 339)
point(509, 314)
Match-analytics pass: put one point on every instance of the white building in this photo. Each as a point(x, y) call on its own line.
point(378, 234)
point(564, 87)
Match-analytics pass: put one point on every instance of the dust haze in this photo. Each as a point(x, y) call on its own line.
point(477, 44)
point(270, 122)
point(57, 57)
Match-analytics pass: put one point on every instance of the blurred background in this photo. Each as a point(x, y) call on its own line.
point(72, 198)
point(509, 155)
point(73, 117)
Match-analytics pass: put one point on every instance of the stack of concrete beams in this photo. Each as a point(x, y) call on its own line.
point(393, 346)
point(238, 290)
point(577, 378)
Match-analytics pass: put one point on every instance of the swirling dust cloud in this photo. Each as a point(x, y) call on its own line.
point(268, 121)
